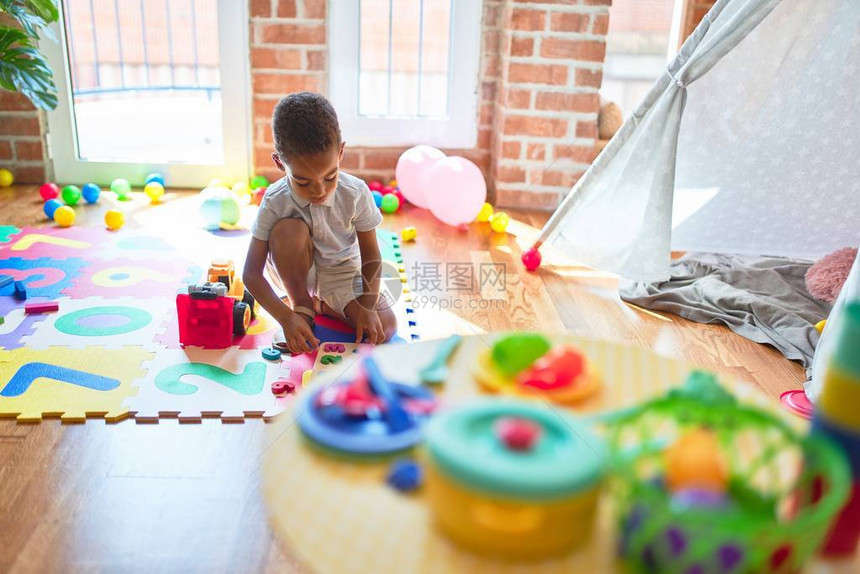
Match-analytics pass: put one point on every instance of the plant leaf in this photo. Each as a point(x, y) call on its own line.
point(24, 69)
point(32, 15)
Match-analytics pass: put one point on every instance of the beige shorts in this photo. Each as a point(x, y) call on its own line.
point(336, 287)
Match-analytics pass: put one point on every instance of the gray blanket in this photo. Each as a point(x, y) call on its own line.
point(761, 298)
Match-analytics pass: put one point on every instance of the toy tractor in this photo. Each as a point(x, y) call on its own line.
point(222, 271)
point(209, 318)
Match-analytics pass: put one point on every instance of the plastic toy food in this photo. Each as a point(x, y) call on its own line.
point(114, 219)
point(49, 191)
point(513, 353)
point(71, 194)
point(209, 318)
point(530, 493)
point(696, 461)
point(64, 216)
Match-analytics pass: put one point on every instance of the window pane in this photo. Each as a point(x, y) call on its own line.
point(404, 57)
point(373, 57)
point(145, 80)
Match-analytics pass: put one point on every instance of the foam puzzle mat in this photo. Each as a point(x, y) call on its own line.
point(112, 349)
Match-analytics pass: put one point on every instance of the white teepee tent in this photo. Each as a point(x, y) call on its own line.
point(749, 143)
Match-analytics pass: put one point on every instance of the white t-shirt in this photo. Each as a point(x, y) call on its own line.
point(333, 224)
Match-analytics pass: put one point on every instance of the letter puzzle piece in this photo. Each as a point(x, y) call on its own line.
point(195, 383)
point(70, 384)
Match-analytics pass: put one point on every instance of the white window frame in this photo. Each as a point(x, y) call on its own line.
point(458, 130)
point(235, 105)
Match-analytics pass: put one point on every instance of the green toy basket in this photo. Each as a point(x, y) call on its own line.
point(785, 488)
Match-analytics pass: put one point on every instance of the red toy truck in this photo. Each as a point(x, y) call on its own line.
point(208, 317)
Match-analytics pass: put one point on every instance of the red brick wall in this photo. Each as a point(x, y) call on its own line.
point(21, 138)
point(545, 118)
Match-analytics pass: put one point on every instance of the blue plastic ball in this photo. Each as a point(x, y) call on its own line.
point(91, 192)
point(50, 207)
point(155, 176)
point(377, 198)
point(405, 475)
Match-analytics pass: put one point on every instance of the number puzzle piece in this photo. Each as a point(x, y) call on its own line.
point(70, 384)
point(44, 277)
point(194, 383)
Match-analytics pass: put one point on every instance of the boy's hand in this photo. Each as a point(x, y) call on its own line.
point(298, 334)
point(367, 322)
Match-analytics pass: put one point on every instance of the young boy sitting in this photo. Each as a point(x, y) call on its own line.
point(315, 232)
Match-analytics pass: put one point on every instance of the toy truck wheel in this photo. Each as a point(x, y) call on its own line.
point(241, 318)
point(248, 300)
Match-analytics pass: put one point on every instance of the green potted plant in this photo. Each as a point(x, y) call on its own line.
point(22, 67)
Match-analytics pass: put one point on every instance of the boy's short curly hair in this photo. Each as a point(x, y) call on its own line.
point(304, 123)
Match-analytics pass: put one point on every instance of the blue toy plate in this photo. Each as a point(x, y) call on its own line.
point(333, 428)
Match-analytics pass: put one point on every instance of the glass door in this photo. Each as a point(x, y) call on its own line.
point(145, 85)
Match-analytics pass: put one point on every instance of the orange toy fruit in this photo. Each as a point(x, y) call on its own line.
point(696, 461)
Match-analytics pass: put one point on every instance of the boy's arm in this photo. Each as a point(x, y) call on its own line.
point(371, 266)
point(256, 283)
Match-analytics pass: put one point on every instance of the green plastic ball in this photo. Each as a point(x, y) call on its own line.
point(71, 194)
point(390, 203)
point(120, 187)
point(259, 181)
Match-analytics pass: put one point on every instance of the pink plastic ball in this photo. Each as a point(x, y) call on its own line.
point(386, 189)
point(49, 191)
point(375, 185)
point(532, 259)
point(400, 197)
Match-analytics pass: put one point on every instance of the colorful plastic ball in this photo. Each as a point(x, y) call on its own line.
point(64, 216)
point(259, 193)
point(50, 207)
point(696, 461)
point(409, 233)
point(405, 475)
point(114, 219)
point(259, 181)
point(154, 176)
point(375, 185)
point(121, 188)
point(386, 189)
point(241, 188)
point(6, 178)
point(400, 197)
point(485, 214)
point(71, 194)
point(377, 198)
point(532, 259)
point(91, 192)
point(393, 183)
point(499, 222)
point(154, 190)
point(49, 191)
point(390, 203)
point(219, 209)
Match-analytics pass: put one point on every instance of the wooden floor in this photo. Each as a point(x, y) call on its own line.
point(172, 497)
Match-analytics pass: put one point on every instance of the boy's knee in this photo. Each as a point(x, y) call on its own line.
point(290, 236)
point(389, 325)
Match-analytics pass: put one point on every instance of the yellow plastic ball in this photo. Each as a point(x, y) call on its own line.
point(499, 222)
point(392, 183)
point(696, 461)
point(241, 188)
point(820, 325)
point(485, 214)
point(114, 219)
point(409, 233)
point(6, 178)
point(64, 216)
point(154, 190)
